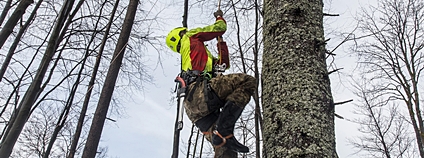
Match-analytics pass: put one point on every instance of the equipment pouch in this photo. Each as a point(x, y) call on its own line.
point(204, 101)
point(224, 57)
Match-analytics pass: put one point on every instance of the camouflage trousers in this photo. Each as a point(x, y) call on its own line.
point(237, 87)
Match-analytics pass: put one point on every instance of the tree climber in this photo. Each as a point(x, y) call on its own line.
point(208, 90)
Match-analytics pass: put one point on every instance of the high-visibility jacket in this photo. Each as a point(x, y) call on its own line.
point(194, 54)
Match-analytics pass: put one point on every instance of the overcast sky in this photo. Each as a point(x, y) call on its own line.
point(146, 130)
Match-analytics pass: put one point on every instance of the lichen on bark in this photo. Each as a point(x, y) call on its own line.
point(297, 100)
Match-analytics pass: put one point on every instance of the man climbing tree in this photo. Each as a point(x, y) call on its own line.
point(297, 99)
point(208, 90)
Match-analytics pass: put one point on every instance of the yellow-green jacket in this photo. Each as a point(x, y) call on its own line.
point(194, 54)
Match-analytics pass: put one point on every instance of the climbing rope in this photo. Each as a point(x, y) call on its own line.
point(180, 94)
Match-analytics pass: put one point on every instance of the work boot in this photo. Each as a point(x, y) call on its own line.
point(223, 135)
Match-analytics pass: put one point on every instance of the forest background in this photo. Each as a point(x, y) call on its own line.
point(140, 121)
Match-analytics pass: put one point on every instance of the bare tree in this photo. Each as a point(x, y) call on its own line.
point(84, 108)
point(35, 137)
point(258, 107)
point(72, 43)
point(13, 20)
point(246, 58)
point(25, 106)
point(15, 43)
point(385, 131)
point(96, 129)
point(70, 100)
point(390, 52)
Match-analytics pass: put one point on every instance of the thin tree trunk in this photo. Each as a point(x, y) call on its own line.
point(34, 89)
point(296, 93)
point(17, 40)
point(18, 85)
point(15, 93)
point(109, 85)
point(417, 131)
point(380, 133)
point(416, 102)
point(189, 142)
point(6, 9)
point(238, 37)
point(83, 112)
point(258, 116)
point(64, 115)
point(13, 20)
point(185, 15)
point(60, 38)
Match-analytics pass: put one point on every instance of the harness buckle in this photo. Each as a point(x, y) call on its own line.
point(219, 69)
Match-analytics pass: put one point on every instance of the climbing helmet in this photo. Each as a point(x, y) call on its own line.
point(173, 38)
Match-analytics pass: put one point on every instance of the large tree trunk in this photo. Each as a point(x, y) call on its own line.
point(34, 89)
point(297, 100)
point(109, 85)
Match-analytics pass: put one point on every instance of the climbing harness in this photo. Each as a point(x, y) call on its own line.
point(198, 77)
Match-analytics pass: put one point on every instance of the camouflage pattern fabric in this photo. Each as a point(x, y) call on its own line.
point(238, 87)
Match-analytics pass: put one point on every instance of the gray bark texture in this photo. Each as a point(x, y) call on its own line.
point(297, 100)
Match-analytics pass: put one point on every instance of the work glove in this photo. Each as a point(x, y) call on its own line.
point(218, 13)
point(219, 39)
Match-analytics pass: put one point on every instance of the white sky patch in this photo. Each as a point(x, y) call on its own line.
point(149, 125)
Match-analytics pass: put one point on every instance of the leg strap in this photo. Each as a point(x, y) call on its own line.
point(207, 133)
point(224, 139)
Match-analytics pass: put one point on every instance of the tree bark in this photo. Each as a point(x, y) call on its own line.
point(109, 85)
point(297, 99)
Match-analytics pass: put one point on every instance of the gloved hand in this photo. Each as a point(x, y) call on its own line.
point(218, 13)
point(219, 39)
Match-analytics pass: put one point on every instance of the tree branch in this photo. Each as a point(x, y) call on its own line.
point(343, 102)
